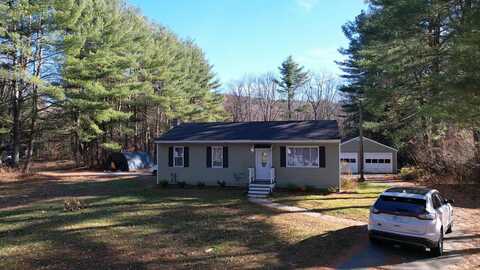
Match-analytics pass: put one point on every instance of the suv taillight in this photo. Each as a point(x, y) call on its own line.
point(427, 216)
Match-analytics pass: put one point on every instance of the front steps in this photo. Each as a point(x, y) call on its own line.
point(260, 189)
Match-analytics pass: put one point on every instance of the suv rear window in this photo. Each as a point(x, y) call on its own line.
point(400, 204)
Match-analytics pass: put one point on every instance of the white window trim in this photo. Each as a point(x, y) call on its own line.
point(302, 146)
point(217, 147)
point(183, 157)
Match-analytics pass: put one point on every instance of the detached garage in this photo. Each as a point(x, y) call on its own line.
point(378, 158)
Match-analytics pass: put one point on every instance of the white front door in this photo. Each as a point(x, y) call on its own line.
point(263, 163)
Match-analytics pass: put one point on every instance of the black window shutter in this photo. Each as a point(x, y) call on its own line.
point(225, 157)
point(209, 157)
point(283, 156)
point(321, 156)
point(186, 157)
point(170, 157)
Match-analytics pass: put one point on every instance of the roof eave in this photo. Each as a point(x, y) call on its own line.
point(370, 140)
point(248, 141)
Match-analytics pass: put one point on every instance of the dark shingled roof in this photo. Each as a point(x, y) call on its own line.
point(254, 131)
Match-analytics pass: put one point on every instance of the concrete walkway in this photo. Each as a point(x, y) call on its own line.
point(294, 209)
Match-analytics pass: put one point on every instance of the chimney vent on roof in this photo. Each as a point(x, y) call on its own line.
point(174, 122)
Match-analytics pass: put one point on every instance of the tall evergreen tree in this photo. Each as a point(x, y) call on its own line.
point(410, 63)
point(30, 48)
point(292, 78)
point(128, 77)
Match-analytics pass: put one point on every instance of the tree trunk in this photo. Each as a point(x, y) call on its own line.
point(34, 116)
point(31, 135)
point(76, 141)
point(16, 123)
point(476, 140)
point(360, 142)
point(289, 106)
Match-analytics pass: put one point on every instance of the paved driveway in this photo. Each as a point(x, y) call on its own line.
point(391, 256)
point(461, 247)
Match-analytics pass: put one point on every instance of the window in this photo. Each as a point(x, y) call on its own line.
point(368, 160)
point(400, 204)
point(302, 157)
point(381, 161)
point(442, 200)
point(436, 201)
point(178, 156)
point(374, 160)
point(387, 161)
point(264, 159)
point(217, 157)
point(352, 160)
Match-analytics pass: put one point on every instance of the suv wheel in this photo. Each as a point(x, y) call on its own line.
point(438, 249)
point(373, 240)
point(449, 230)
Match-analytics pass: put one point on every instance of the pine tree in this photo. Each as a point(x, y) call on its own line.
point(292, 78)
point(412, 62)
point(98, 72)
point(31, 45)
point(100, 75)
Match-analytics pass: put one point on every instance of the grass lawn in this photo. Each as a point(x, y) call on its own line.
point(130, 224)
point(349, 204)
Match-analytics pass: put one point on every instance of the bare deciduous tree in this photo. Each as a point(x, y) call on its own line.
point(240, 100)
point(266, 98)
point(320, 92)
point(256, 98)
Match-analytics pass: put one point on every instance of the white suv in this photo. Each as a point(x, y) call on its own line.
point(417, 216)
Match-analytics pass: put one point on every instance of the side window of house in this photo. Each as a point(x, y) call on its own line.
point(178, 156)
point(217, 157)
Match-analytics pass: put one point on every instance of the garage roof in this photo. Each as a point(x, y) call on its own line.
point(370, 140)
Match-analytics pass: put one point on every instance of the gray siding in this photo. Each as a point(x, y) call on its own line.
point(240, 159)
point(369, 147)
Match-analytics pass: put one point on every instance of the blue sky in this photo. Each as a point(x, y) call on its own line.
point(241, 37)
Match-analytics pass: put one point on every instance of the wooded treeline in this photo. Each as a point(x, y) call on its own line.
point(92, 76)
point(414, 68)
point(294, 95)
point(79, 79)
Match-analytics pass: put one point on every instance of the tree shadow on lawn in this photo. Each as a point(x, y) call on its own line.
point(300, 199)
point(40, 187)
point(338, 245)
point(128, 226)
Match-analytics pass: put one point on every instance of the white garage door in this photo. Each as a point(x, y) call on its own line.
point(348, 161)
point(378, 162)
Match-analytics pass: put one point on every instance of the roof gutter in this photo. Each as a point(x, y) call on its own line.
point(247, 141)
